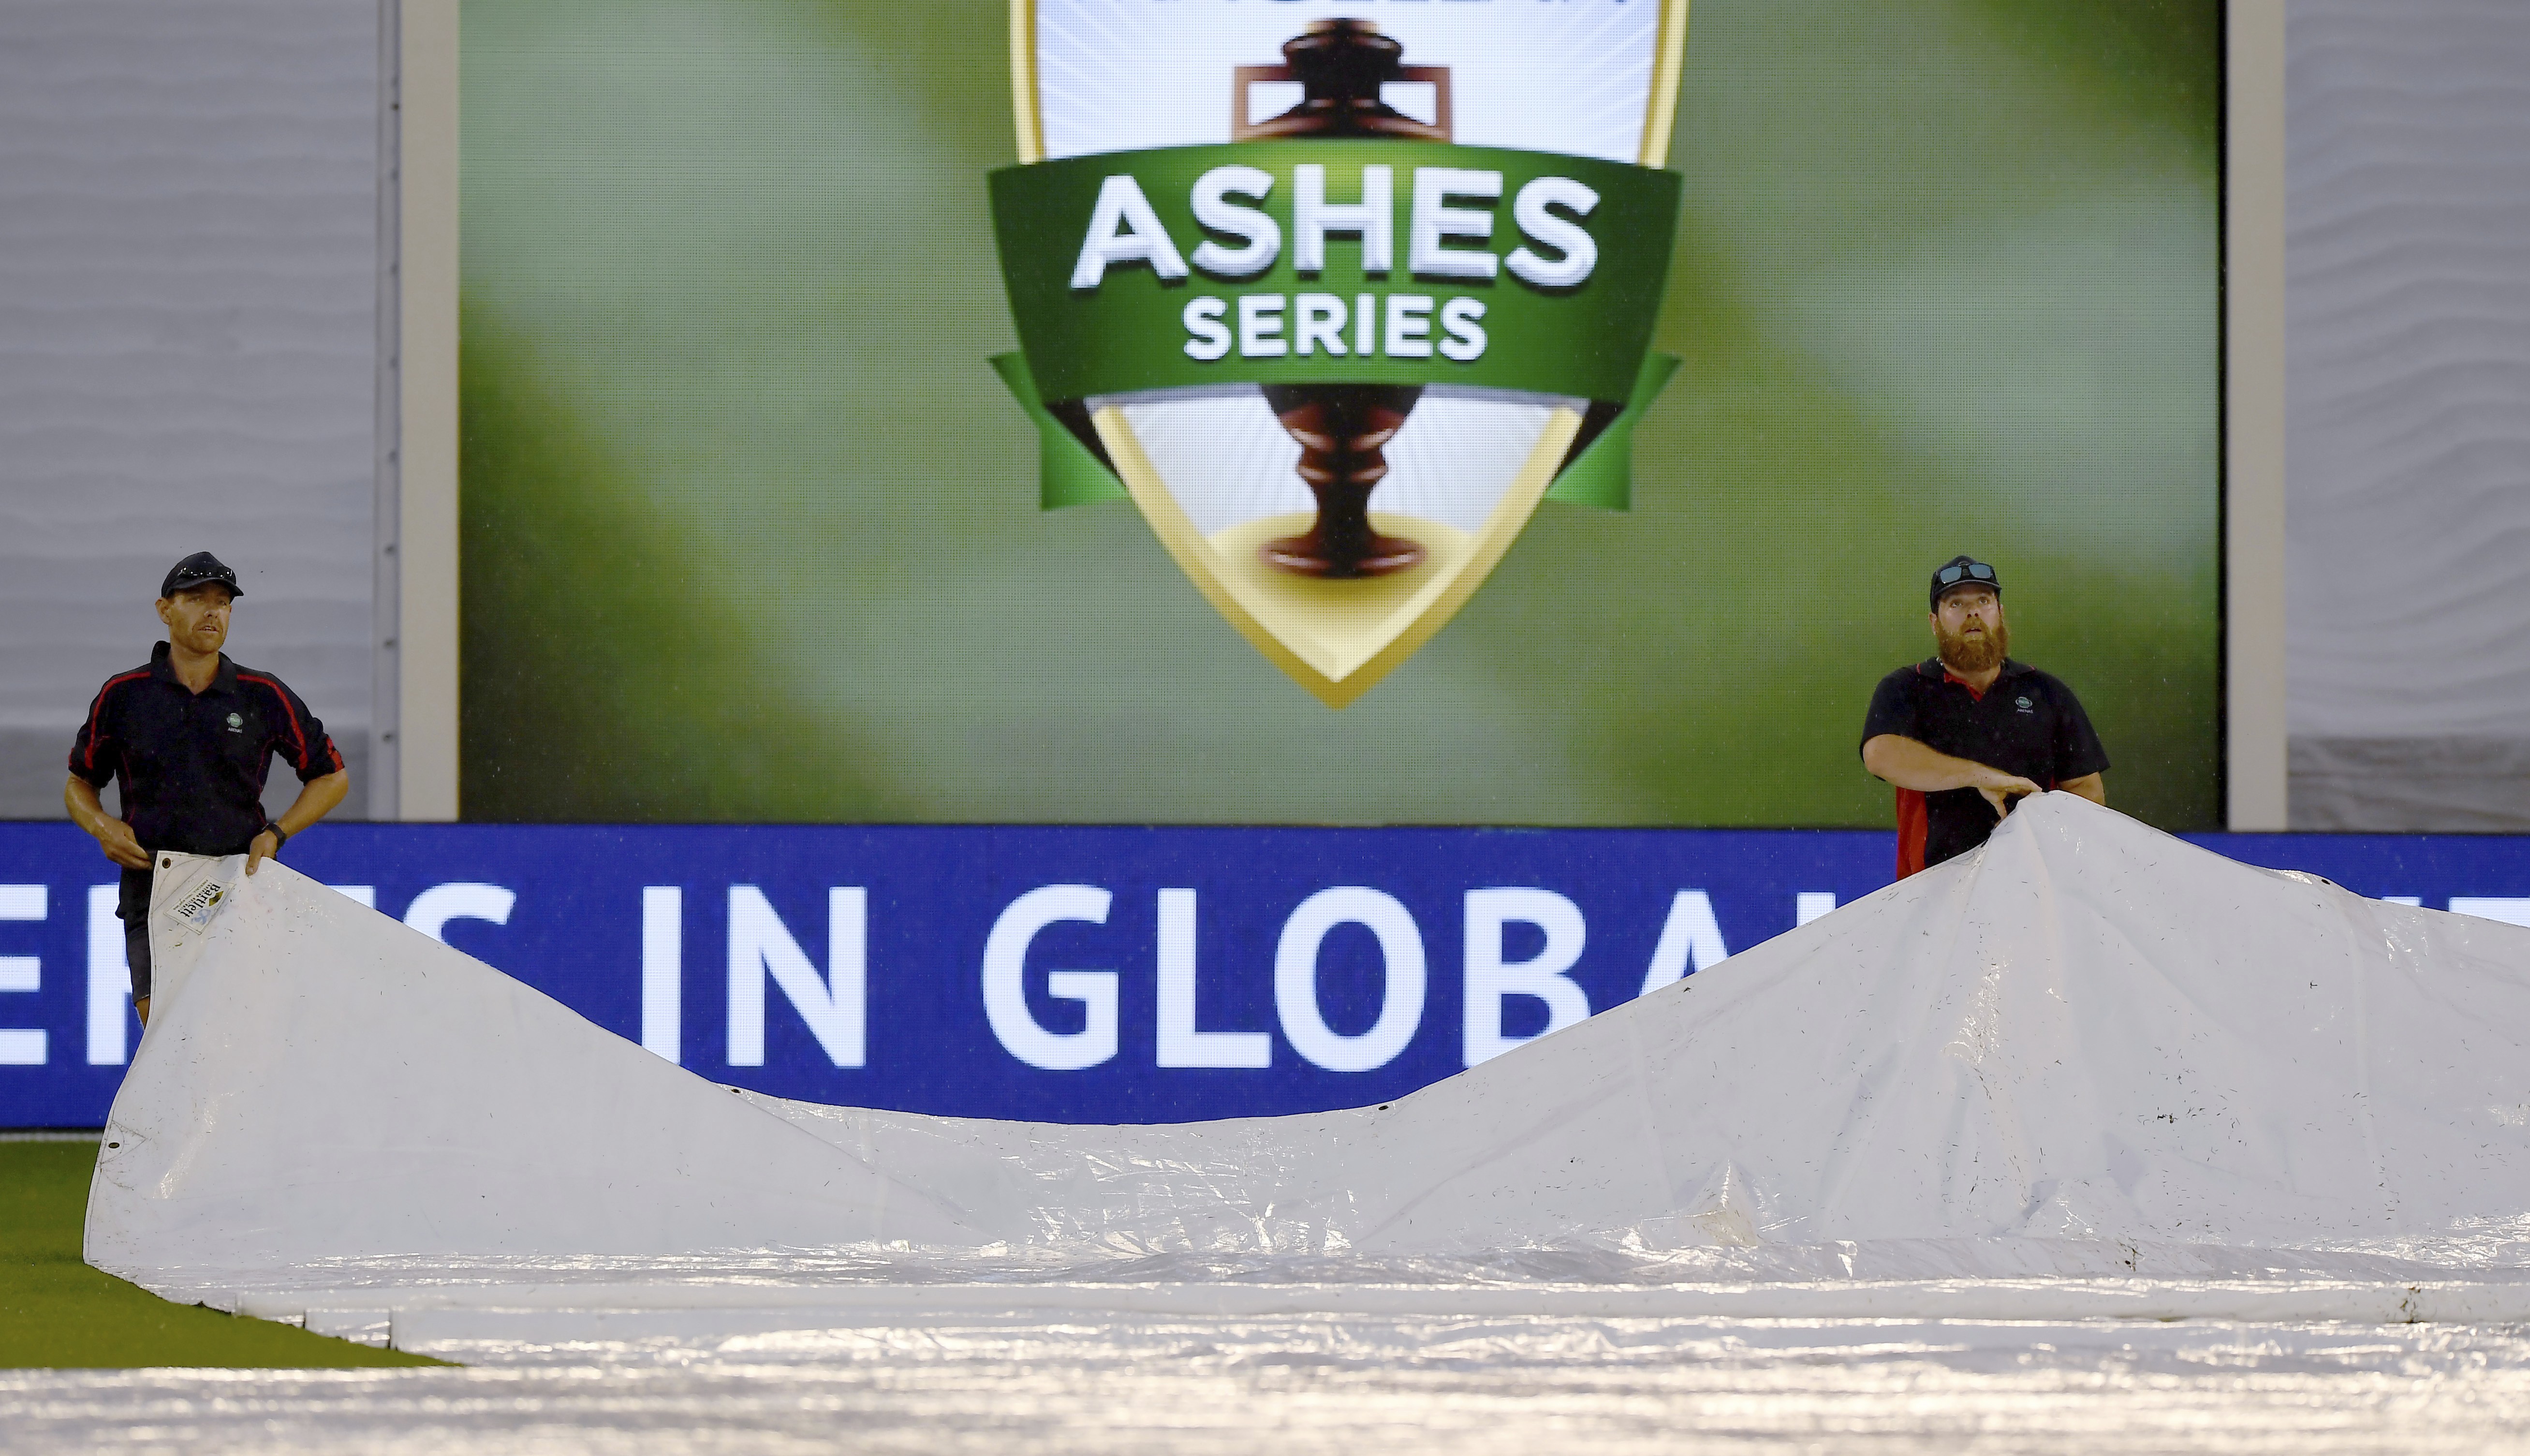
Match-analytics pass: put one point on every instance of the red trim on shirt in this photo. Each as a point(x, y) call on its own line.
point(1914, 825)
point(96, 709)
point(1914, 819)
point(287, 711)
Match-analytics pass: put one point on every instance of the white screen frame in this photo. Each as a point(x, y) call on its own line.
point(423, 653)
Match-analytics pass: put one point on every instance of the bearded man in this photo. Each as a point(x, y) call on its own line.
point(1965, 734)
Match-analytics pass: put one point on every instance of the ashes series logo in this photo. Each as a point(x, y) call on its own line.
point(1338, 293)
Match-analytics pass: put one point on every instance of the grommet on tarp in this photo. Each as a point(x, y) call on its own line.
point(113, 1144)
point(167, 864)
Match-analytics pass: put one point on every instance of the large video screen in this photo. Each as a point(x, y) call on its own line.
point(1478, 412)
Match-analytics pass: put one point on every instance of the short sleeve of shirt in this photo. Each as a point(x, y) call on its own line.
point(97, 753)
point(2078, 753)
point(1892, 708)
point(301, 738)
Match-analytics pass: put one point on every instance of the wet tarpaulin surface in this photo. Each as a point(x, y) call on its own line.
point(1456, 1386)
point(2091, 1072)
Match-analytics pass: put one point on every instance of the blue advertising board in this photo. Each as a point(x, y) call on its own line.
point(1067, 975)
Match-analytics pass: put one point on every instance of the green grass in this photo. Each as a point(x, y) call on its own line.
point(57, 1312)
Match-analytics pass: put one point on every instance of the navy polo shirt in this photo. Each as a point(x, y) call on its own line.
point(192, 766)
point(2027, 723)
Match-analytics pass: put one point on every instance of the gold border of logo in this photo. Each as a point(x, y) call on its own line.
point(1660, 113)
point(1337, 680)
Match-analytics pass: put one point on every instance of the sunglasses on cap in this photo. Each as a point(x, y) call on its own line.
point(1963, 571)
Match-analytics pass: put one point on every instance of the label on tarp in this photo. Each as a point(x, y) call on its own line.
point(197, 907)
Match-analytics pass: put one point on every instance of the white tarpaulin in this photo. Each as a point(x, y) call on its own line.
point(319, 1080)
point(2090, 1049)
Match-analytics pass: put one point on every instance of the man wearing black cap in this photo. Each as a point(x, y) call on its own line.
point(190, 738)
point(1966, 733)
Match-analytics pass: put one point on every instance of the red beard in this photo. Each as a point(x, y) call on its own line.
point(1974, 653)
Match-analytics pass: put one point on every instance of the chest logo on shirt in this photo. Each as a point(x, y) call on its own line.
point(2024, 706)
point(237, 724)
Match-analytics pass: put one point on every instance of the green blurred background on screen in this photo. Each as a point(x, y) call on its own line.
point(751, 529)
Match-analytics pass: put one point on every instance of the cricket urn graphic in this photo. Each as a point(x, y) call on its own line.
point(1337, 323)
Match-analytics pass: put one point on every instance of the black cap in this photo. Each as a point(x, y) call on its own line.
point(1963, 571)
point(198, 570)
